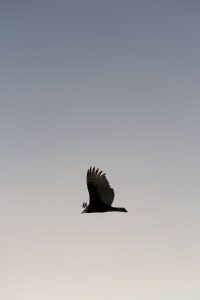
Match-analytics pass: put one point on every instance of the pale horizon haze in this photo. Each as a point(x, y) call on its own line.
point(110, 84)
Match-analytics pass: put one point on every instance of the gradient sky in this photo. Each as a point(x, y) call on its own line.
point(114, 84)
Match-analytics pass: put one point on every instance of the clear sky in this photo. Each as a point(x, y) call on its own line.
point(113, 84)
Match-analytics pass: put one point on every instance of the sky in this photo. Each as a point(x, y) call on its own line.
point(111, 84)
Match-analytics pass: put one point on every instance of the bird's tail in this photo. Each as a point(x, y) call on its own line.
point(122, 209)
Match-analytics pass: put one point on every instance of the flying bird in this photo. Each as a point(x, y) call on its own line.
point(100, 192)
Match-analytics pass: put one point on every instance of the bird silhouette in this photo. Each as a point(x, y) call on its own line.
point(100, 192)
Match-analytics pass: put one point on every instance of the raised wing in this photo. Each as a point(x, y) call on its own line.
point(99, 188)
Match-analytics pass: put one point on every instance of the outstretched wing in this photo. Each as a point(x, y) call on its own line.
point(99, 188)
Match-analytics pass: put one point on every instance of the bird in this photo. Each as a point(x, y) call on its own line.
point(100, 193)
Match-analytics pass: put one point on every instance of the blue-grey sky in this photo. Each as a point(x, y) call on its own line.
point(113, 84)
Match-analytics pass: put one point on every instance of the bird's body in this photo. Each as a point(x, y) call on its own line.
point(100, 192)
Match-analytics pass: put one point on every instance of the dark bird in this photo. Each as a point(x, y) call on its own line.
point(101, 194)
